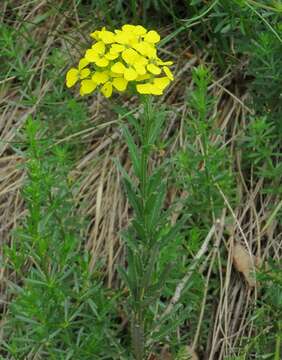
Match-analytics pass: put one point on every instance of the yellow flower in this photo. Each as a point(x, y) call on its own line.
point(125, 37)
point(104, 35)
point(152, 37)
point(134, 65)
point(154, 69)
point(160, 62)
point(168, 73)
point(97, 54)
point(127, 55)
point(117, 48)
point(130, 34)
point(107, 36)
point(73, 75)
point(87, 87)
point(144, 77)
point(111, 55)
point(140, 64)
point(145, 49)
point(120, 83)
point(154, 65)
point(137, 30)
point(100, 77)
point(156, 87)
point(107, 89)
point(129, 72)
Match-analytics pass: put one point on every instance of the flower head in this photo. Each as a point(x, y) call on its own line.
point(127, 55)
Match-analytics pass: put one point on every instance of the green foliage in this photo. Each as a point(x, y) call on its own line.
point(11, 62)
point(261, 143)
point(267, 327)
point(265, 68)
point(203, 164)
point(150, 236)
point(60, 311)
point(268, 324)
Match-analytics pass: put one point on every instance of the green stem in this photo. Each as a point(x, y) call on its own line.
point(145, 151)
point(138, 325)
point(145, 155)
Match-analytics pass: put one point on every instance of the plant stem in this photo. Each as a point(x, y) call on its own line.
point(138, 326)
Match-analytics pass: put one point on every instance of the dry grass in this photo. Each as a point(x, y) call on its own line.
point(99, 195)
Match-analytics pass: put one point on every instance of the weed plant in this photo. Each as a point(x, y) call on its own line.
point(58, 310)
point(150, 235)
point(203, 163)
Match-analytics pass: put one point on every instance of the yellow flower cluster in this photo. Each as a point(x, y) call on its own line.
point(127, 55)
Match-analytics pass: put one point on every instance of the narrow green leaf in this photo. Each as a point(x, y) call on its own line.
point(134, 200)
point(133, 151)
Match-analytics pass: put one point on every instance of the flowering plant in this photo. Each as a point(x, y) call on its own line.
point(127, 55)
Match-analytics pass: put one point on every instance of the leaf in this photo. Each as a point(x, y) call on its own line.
point(125, 278)
point(149, 270)
point(133, 198)
point(157, 126)
point(244, 263)
point(154, 180)
point(133, 150)
point(121, 170)
point(174, 230)
point(154, 291)
point(154, 205)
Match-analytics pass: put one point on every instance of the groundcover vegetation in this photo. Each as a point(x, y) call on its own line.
point(140, 179)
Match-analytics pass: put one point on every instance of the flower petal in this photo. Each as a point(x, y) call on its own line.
point(111, 55)
point(140, 69)
point(155, 90)
point(168, 73)
point(143, 77)
point(161, 82)
point(84, 73)
point(128, 27)
point(160, 62)
point(91, 55)
point(118, 68)
point(95, 35)
point(113, 74)
point(100, 77)
point(102, 62)
point(152, 37)
point(87, 86)
point(123, 38)
point(117, 48)
point(99, 47)
point(153, 69)
point(140, 30)
point(129, 56)
point(107, 89)
point(72, 77)
point(107, 36)
point(130, 74)
point(144, 88)
point(120, 84)
point(145, 49)
point(141, 47)
point(82, 63)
